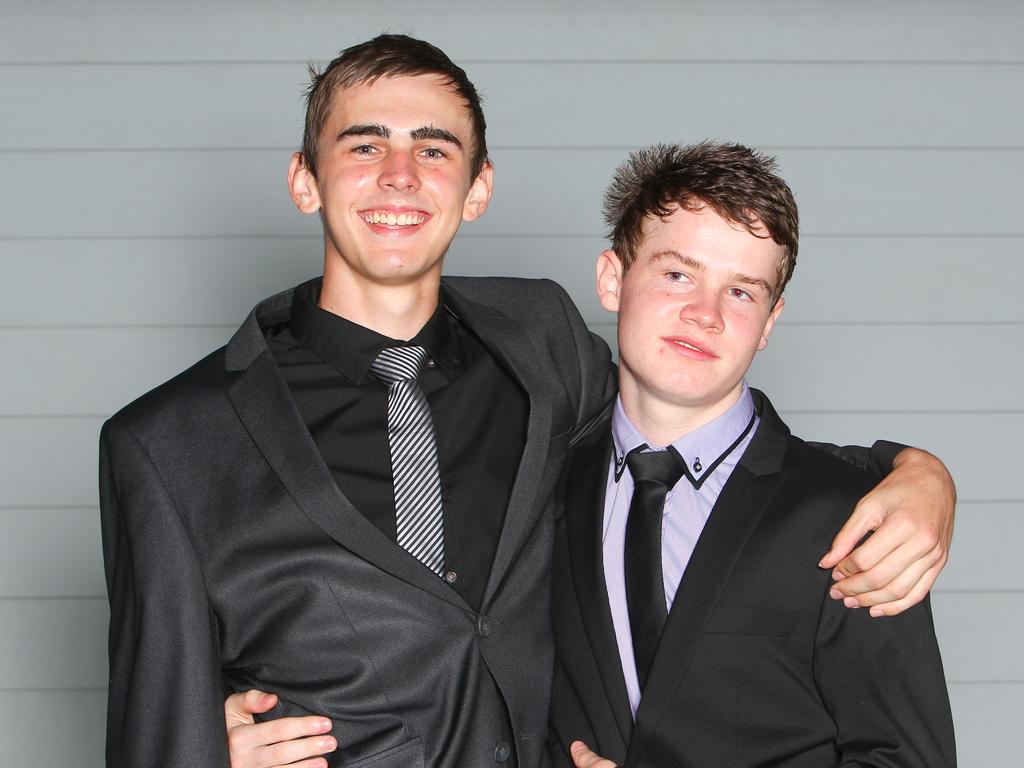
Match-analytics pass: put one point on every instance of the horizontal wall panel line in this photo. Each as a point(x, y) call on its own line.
point(161, 63)
point(996, 591)
point(41, 598)
point(467, 63)
point(147, 238)
point(523, 148)
point(469, 235)
point(990, 501)
point(503, 236)
point(593, 324)
point(85, 689)
point(789, 323)
point(50, 416)
point(961, 501)
point(39, 507)
point(121, 326)
point(790, 411)
point(906, 412)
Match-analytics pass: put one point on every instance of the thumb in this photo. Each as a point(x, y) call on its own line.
point(584, 757)
point(239, 708)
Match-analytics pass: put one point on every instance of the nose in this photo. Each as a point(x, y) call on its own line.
point(398, 173)
point(704, 309)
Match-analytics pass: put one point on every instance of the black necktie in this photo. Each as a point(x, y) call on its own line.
point(418, 514)
point(654, 473)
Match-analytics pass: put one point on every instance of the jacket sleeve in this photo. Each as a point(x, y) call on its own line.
point(876, 460)
point(882, 682)
point(165, 703)
point(590, 374)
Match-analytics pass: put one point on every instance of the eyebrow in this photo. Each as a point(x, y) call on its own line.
point(427, 132)
point(366, 129)
point(682, 258)
point(692, 263)
point(741, 278)
point(433, 133)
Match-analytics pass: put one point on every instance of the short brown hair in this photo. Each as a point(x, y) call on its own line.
point(387, 56)
point(738, 183)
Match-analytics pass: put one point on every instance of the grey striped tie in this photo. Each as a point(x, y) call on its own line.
point(418, 515)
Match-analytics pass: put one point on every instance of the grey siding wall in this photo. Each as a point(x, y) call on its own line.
point(143, 149)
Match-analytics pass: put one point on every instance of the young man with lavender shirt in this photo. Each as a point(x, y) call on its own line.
point(680, 640)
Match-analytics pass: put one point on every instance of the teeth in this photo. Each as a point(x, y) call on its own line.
point(689, 346)
point(394, 220)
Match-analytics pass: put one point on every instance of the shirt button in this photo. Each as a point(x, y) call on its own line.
point(431, 363)
point(451, 577)
point(502, 751)
point(483, 626)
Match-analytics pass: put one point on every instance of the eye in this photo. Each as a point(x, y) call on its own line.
point(739, 293)
point(433, 153)
point(363, 149)
point(677, 277)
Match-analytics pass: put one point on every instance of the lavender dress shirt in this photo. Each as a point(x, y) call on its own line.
point(711, 452)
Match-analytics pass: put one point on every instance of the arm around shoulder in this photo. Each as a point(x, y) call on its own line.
point(166, 689)
point(911, 513)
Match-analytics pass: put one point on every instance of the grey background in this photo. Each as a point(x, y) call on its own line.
point(143, 211)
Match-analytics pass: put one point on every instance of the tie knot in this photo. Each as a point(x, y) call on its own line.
point(395, 364)
point(664, 467)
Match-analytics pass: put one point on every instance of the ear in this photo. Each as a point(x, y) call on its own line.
point(479, 195)
point(770, 323)
point(609, 280)
point(302, 185)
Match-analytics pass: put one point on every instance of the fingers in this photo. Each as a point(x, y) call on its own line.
point(584, 757)
point(239, 708)
point(866, 517)
point(893, 569)
point(290, 752)
point(254, 736)
point(891, 579)
point(914, 596)
point(898, 543)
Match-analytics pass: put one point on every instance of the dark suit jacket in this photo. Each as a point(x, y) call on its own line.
point(234, 561)
point(757, 666)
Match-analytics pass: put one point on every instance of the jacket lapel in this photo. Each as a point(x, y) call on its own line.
point(264, 405)
point(584, 511)
point(735, 515)
point(510, 345)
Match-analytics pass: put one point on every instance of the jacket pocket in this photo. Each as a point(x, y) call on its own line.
point(751, 620)
point(407, 755)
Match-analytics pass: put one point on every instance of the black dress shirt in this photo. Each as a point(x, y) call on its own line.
point(479, 413)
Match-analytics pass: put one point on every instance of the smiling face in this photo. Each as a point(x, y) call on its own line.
point(392, 180)
point(694, 308)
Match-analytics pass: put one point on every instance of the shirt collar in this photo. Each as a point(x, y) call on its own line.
point(702, 449)
point(351, 348)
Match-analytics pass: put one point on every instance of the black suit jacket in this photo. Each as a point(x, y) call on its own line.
point(757, 666)
point(233, 561)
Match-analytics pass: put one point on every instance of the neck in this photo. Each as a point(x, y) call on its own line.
point(662, 422)
point(397, 311)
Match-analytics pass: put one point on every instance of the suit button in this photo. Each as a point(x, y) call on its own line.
point(483, 628)
point(502, 752)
